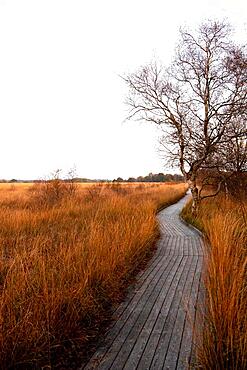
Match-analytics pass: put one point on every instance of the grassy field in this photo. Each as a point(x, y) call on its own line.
point(223, 343)
point(67, 253)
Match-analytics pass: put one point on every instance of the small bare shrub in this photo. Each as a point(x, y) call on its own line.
point(52, 191)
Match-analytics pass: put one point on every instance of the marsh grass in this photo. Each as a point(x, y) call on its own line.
point(66, 259)
point(222, 344)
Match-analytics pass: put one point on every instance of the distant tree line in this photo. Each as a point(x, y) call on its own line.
point(153, 177)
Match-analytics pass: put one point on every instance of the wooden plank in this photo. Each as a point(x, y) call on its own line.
point(166, 323)
point(187, 339)
point(199, 315)
point(178, 328)
point(139, 329)
point(142, 341)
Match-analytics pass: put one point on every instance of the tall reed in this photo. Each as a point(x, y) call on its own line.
point(65, 260)
point(223, 342)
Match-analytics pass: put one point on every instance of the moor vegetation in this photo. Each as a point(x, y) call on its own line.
point(67, 252)
point(222, 342)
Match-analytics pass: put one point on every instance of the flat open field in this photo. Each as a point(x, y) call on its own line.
point(67, 253)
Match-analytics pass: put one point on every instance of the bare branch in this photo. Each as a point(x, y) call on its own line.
point(201, 99)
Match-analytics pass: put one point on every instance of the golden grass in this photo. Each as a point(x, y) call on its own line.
point(65, 258)
point(223, 342)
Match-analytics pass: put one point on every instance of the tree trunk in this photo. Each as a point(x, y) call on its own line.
point(226, 189)
point(195, 196)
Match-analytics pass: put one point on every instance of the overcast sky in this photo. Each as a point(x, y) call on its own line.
point(61, 98)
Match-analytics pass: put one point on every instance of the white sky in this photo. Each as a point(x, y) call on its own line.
point(61, 99)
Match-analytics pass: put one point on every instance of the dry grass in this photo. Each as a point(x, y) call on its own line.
point(65, 258)
point(223, 343)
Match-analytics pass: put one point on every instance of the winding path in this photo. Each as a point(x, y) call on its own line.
point(153, 328)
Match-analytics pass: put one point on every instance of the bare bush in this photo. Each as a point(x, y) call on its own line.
point(54, 190)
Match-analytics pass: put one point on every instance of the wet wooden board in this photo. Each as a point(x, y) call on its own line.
point(153, 327)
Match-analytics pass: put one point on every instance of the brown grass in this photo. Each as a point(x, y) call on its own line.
point(223, 342)
point(65, 260)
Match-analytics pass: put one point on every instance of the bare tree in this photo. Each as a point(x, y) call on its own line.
point(198, 100)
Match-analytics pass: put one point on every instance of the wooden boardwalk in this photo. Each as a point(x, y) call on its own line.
point(152, 329)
